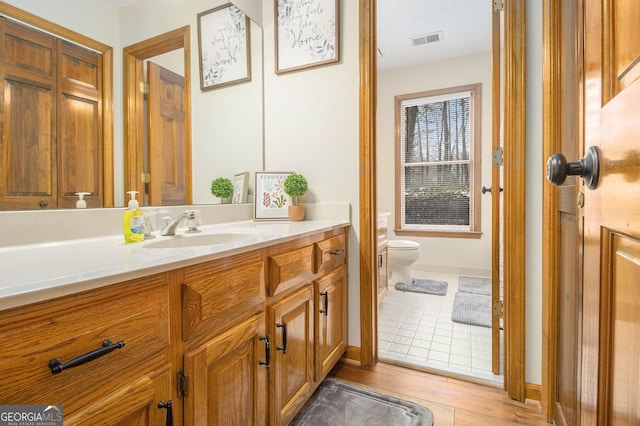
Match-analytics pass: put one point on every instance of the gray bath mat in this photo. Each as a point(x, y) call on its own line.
point(475, 285)
point(419, 285)
point(472, 309)
point(337, 403)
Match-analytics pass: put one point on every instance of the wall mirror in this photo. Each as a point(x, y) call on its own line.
point(226, 124)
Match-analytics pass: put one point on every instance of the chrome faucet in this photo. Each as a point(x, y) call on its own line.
point(170, 228)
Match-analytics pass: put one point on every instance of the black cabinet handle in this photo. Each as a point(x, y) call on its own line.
point(326, 303)
point(267, 351)
point(336, 252)
point(283, 348)
point(169, 407)
point(56, 366)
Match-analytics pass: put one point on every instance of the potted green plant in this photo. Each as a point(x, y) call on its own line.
point(221, 188)
point(295, 185)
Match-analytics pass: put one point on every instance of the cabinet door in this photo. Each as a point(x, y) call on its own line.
point(227, 378)
point(331, 321)
point(291, 328)
point(134, 404)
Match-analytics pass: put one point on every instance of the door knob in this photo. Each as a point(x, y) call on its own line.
point(485, 189)
point(588, 168)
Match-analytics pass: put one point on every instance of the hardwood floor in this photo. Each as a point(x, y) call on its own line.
point(452, 401)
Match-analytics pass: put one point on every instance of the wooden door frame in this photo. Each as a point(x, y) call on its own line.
point(551, 134)
point(514, 192)
point(133, 60)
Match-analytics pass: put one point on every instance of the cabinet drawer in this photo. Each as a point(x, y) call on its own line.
point(221, 293)
point(72, 326)
point(290, 268)
point(330, 253)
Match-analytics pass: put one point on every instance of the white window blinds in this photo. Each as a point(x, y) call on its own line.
point(436, 161)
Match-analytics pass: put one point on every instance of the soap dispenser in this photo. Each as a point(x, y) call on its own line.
point(81, 203)
point(133, 221)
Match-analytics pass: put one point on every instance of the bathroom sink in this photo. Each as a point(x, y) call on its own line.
point(208, 239)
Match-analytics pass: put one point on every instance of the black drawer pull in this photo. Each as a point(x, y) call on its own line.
point(326, 303)
point(283, 348)
point(267, 351)
point(169, 407)
point(56, 366)
point(336, 252)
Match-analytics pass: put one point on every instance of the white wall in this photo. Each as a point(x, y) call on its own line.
point(452, 255)
point(311, 127)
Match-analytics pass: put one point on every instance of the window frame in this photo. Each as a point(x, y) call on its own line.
point(475, 165)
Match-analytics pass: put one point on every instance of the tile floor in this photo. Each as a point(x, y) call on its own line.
point(417, 329)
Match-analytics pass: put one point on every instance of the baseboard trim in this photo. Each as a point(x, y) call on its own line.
point(533, 391)
point(451, 269)
point(353, 353)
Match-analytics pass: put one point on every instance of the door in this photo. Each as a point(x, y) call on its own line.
point(496, 182)
point(330, 321)
point(568, 241)
point(166, 143)
point(611, 283)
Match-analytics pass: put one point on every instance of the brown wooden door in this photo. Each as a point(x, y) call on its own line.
point(166, 147)
point(291, 330)
point(610, 383)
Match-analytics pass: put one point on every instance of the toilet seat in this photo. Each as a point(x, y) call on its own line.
point(403, 245)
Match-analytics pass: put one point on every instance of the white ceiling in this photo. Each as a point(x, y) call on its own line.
point(465, 26)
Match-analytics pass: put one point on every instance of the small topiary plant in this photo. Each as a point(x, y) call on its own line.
point(221, 188)
point(295, 185)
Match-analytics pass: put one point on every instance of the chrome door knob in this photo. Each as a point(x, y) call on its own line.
point(588, 168)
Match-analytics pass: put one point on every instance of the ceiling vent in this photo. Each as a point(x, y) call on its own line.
point(427, 39)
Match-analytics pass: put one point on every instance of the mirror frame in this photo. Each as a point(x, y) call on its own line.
point(133, 112)
point(107, 86)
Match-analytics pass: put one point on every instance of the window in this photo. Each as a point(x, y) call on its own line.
point(438, 162)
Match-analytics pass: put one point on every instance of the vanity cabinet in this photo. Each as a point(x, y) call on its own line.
point(124, 384)
point(223, 329)
point(383, 280)
point(240, 340)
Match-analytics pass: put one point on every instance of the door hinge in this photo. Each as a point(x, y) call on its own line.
point(498, 156)
point(498, 5)
point(145, 177)
point(144, 87)
point(183, 384)
point(498, 308)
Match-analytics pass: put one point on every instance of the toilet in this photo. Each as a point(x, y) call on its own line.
point(401, 255)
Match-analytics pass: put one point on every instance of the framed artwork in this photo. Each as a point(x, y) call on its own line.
point(224, 47)
point(306, 34)
point(271, 202)
point(240, 188)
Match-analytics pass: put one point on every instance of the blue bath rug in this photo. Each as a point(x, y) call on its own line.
point(420, 285)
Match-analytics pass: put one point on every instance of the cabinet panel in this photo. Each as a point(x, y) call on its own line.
point(290, 268)
point(331, 321)
point(72, 326)
point(218, 294)
point(228, 378)
point(291, 328)
point(134, 404)
point(330, 253)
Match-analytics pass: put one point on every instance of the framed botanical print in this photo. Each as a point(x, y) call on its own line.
point(271, 202)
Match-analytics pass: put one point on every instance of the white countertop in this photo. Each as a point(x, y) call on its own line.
point(35, 272)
